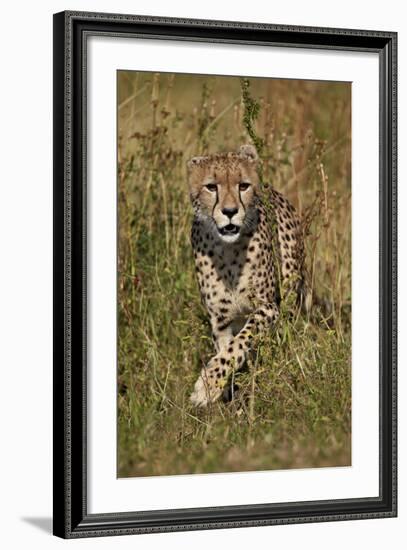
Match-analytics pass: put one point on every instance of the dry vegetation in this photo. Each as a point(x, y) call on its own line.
point(293, 406)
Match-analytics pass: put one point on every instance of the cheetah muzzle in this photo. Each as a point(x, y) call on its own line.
point(236, 266)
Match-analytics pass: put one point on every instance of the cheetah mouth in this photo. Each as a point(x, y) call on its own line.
point(229, 230)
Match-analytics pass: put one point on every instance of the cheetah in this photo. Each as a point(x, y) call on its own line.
point(239, 275)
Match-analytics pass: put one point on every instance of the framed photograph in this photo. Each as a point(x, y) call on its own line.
point(224, 274)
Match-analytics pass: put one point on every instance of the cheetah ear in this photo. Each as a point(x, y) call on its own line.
point(249, 151)
point(195, 162)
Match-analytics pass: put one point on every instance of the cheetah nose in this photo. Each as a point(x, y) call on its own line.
point(229, 212)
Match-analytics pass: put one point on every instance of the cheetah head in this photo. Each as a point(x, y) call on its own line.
point(223, 188)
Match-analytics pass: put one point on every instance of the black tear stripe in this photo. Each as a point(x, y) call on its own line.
point(216, 202)
point(241, 202)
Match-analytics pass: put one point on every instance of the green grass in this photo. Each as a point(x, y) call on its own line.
point(292, 408)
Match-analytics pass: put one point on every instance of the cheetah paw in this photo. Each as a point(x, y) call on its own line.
point(205, 391)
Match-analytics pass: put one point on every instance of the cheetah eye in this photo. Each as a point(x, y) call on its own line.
point(244, 186)
point(212, 187)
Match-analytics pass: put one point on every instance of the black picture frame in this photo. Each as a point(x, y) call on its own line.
point(71, 519)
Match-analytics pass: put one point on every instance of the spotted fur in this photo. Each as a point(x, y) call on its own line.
point(240, 272)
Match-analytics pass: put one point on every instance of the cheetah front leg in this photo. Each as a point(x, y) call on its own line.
point(222, 335)
point(214, 377)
